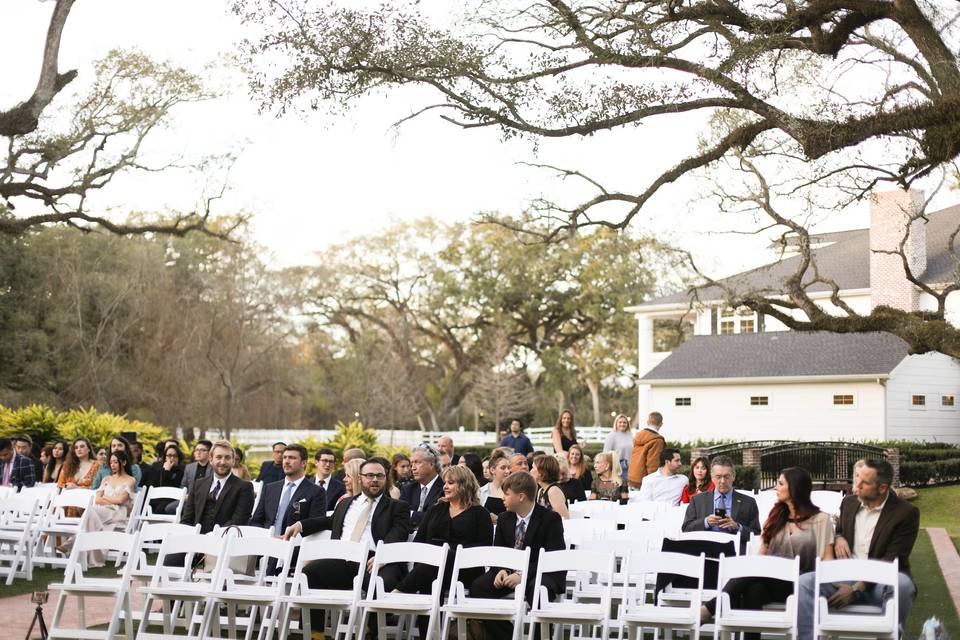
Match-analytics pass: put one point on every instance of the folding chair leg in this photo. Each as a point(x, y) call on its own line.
point(284, 629)
point(382, 625)
point(81, 612)
point(58, 612)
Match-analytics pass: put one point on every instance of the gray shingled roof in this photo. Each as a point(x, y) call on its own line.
point(847, 261)
point(781, 354)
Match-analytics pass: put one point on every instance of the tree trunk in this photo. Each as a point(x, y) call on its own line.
point(228, 414)
point(594, 387)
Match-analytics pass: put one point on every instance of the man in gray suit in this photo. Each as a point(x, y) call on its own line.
point(723, 509)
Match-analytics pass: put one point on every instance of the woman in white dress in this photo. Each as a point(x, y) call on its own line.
point(111, 506)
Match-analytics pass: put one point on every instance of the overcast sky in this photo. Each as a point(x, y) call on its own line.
point(311, 180)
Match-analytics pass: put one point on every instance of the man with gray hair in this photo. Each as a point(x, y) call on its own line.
point(445, 446)
point(723, 509)
point(424, 493)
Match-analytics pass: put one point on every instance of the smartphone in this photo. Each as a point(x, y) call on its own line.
point(720, 512)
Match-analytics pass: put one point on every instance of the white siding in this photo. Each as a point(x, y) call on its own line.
point(932, 375)
point(800, 411)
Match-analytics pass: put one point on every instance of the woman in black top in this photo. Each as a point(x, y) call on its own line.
point(170, 474)
point(457, 519)
point(491, 495)
point(572, 489)
point(579, 467)
point(564, 432)
point(546, 471)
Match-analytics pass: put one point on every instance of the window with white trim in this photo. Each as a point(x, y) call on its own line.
point(843, 400)
point(684, 401)
point(759, 401)
point(948, 401)
point(730, 321)
point(918, 402)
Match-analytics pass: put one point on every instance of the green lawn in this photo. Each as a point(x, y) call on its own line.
point(932, 597)
point(44, 576)
point(938, 508)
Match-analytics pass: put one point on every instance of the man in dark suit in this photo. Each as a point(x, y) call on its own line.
point(291, 499)
point(368, 517)
point(219, 498)
point(332, 488)
point(723, 509)
point(875, 524)
point(424, 493)
point(524, 524)
point(15, 470)
point(272, 470)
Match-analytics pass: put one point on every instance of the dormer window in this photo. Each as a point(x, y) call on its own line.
point(731, 321)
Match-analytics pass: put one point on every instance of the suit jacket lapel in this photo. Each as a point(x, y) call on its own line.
point(735, 501)
point(229, 485)
point(883, 522)
point(339, 515)
point(510, 531)
point(203, 489)
point(535, 519)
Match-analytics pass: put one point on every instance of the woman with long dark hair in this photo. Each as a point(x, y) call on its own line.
point(546, 471)
point(170, 474)
point(58, 454)
point(579, 466)
point(699, 480)
point(473, 462)
point(795, 527)
point(564, 432)
point(400, 470)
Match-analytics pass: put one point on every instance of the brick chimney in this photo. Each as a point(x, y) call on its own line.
point(890, 214)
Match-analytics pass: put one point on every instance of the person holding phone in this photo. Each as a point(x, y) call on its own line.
point(723, 509)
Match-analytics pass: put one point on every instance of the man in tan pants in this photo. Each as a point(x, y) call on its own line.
point(647, 445)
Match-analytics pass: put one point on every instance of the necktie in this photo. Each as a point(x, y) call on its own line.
point(216, 490)
point(361, 522)
point(282, 511)
point(521, 533)
point(423, 498)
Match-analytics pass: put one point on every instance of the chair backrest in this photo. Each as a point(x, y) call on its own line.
point(574, 560)
point(879, 571)
point(711, 536)
point(192, 546)
point(159, 530)
point(503, 557)
point(786, 569)
point(79, 498)
point(311, 550)
point(262, 548)
point(242, 531)
point(638, 567)
point(16, 507)
point(166, 493)
point(827, 501)
point(429, 554)
point(590, 508)
point(123, 543)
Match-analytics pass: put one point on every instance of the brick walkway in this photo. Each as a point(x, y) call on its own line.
point(18, 611)
point(949, 561)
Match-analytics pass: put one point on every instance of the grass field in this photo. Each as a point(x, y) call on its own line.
point(45, 575)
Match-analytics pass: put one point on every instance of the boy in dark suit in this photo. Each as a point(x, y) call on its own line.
point(524, 524)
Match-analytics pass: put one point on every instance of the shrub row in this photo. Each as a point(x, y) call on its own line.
point(918, 474)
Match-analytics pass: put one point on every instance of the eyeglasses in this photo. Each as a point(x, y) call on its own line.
point(172, 456)
point(326, 461)
point(373, 476)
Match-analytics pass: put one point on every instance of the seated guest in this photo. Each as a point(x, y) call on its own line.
point(136, 452)
point(571, 487)
point(151, 472)
point(518, 462)
point(400, 470)
point(875, 524)
point(388, 487)
point(15, 470)
point(699, 480)
point(200, 467)
point(426, 489)
point(579, 465)
point(546, 472)
point(516, 439)
point(485, 464)
point(45, 455)
point(239, 469)
point(170, 474)
point(351, 479)
point(857, 466)
point(219, 498)
point(524, 524)
point(118, 443)
point(79, 469)
point(58, 453)
point(795, 527)
point(102, 459)
point(369, 517)
point(291, 499)
point(723, 509)
point(666, 483)
point(491, 494)
point(332, 487)
point(353, 453)
point(473, 462)
point(609, 478)
point(272, 470)
point(23, 444)
point(111, 506)
point(457, 519)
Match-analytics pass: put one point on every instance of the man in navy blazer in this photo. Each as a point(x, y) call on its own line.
point(298, 497)
point(325, 460)
point(428, 488)
point(15, 470)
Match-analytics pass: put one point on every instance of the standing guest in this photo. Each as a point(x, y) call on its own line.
point(473, 462)
point(875, 524)
point(400, 469)
point(170, 474)
point(333, 488)
point(572, 489)
point(200, 466)
point(369, 517)
point(388, 487)
point(666, 484)
point(353, 453)
point(218, 498)
point(427, 489)
point(795, 527)
point(523, 525)
point(23, 444)
point(518, 462)
point(351, 479)
point(607, 484)
point(272, 470)
point(699, 480)
point(645, 455)
point(516, 439)
point(80, 468)
point(723, 509)
point(15, 470)
point(445, 446)
point(111, 506)
point(239, 469)
point(491, 494)
point(456, 519)
point(291, 499)
point(102, 461)
point(564, 433)
point(58, 453)
point(117, 443)
point(621, 441)
point(579, 466)
point(546, 471)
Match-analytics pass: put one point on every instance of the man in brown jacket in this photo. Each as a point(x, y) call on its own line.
point(875, 524)
point(647, 445)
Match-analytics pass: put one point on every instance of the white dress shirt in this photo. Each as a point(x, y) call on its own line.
point(864, 525)
point(657, 487)
point(353, 515)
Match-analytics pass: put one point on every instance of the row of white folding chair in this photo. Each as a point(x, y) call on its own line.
point(58, 526)
point(827, 501)
point(19, 517)
point(146, 514)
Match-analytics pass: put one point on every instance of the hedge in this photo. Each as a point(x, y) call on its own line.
point(919, 474)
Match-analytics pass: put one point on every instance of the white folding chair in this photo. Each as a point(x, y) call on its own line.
point(640, 611)
point(578, 531)
point(671, 520)
point(589, 566)
point(257, 492)
point(827, 501)
point(182, 588)
point(857, 621)
point(18, 519)
point(461, 606)
point(260, 594)
point(134, 523)
point(81, 587)
point(765, 501)
point(59, 526)
point(590, 508)
point(161, 493)
point(646, 509)
point(728, 621)
point(244, 531)
point(380, 602)
point(339, 601)
point(712, 536)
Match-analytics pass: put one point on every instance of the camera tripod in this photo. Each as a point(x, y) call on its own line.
point(38, 617)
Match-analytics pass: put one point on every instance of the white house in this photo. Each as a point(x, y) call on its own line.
point(744, 376)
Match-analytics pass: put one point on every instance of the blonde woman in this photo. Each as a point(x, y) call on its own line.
point(491, 495)
point(620, 440)
point(607, 484)
point(351, 477)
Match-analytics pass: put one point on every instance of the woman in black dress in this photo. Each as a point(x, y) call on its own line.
point(170, 474)
point(457, 519)
point(546, 471)
point(564, 432)
point(579, 466)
